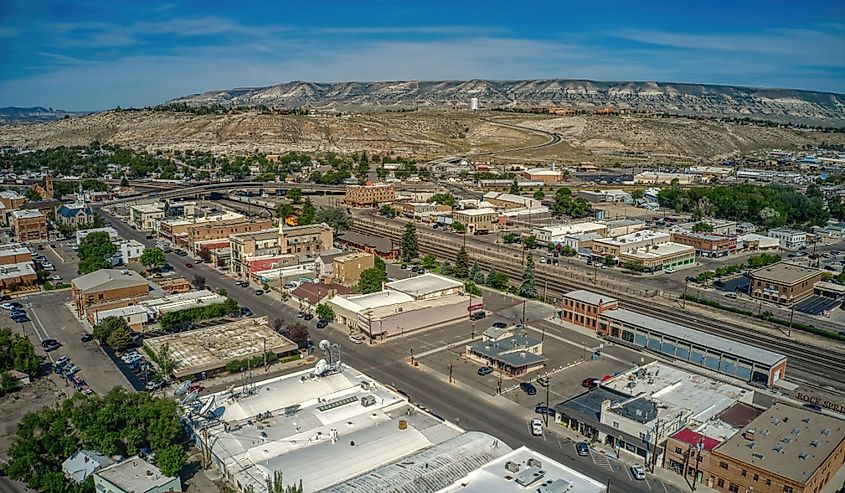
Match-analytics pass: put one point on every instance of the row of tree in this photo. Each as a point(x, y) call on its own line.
point(16, 353)
point(118, 423)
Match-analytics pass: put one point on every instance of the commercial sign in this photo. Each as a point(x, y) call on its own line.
point(821, 402)
point(476, 306)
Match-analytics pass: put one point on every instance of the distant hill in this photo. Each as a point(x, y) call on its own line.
point(35, 114)
point(780, 105)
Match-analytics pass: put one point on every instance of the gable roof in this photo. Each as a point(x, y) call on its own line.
point(83, 463)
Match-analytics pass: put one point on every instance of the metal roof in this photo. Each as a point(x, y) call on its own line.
point(423, 285)
point(696, 337)
point(108, 279)
point(589, 297)
point(430, 469)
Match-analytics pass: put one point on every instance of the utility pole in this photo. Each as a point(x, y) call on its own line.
point(499, 383)
point(264, 343)
point(684, 303)
point(791, 314)
point(451, 366)
point(545, 289)
point(523, 313)
point(546, 414)
point(609, 482)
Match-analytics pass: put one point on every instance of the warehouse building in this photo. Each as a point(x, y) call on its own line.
point(107, 285)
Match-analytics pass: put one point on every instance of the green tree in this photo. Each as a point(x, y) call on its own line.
point(474, 271)
point(325, 311)
point(446, 269)
point(508, 237)
point(530, 242)
point(198, 282)
point(410, 247)
point(443, 199)
point(107, 326)
point(459, 227)
point(528, 289)
point(539, 195)
point(462, 264)
point(124, 182)
point(609, 260)
point(637, 193)
point(309, 213)
point(95, 252)
point(119, 338)
point(497, 280)
point(295, 195)
point(16, 353)
point(371, 280)
point(171, 460)
point(514, 188)
point(702, 227)
point(428, 262)
point(387, 211)
point(471, 288)
point(336, 217)
point(153, 258)
point(284, 210)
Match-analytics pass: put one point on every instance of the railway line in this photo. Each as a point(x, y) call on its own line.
point(820, 367)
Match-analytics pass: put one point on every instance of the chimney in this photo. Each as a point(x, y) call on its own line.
point(749, 434)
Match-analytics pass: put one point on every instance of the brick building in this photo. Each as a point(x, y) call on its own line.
point(347, 268)
point(29, 225)
point(707, 244)
point(12, 200)
point(377, 245)
point(785, 450)
point(369, 194)
point(219, 231)
point(254, 244)
point(477, 220)
point(583, 308)
point(107, 285)
point(310, 240)
point(783, 283)
point(14, 253)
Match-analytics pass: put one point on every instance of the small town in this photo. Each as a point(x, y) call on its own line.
point(468, 282)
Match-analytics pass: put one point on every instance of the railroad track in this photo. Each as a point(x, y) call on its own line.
point(821, 367)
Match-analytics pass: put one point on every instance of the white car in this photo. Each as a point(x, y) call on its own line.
point(638, 472)
point(670, 270)
point(536, 427)
point(55, 277)
point(356, 338)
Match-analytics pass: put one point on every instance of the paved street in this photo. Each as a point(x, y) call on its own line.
point(387, 362)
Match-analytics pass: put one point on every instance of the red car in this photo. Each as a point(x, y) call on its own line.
point(189, 265)
point(589, 383)
point(196, 388)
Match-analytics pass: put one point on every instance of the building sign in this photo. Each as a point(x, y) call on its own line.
point(821, 402)
point(474, 307)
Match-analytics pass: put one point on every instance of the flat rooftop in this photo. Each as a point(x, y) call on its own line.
point(423, 285)
point(784, 273)
point(423, 304)
point(108, 279)
point(13, 271)
point(183, 301)
point(10, 249)
point(525, 470)
point(27, 214)
point(788, 441)
point(570, 229)
point(702, 339)
point(358, 303)
point(474, 212)
point(212, 347)
point(134, 474)
point(645, 235)
point(659, 251)
point(325, 430)
point(676, 390)
point(148, 208)
point(589, 297)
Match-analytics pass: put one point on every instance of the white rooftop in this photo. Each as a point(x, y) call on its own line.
point(358, 303)
point(542, 475)
point(425, 284)
point(645, 235)
point(318, 428)
point(475, 212)
point(183, 301)
point(134, 474)
point(658, 251)
point(148, 208)
point(27, 214)
point(13, 249)
point(678, 391)
point(13, 271)
point(570, 229)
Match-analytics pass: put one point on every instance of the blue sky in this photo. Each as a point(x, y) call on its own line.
point(89, 55)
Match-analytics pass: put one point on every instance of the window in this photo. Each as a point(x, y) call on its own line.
point(787, 489)
point(616, 424)
point(768, 482)
point(723, 465)
point(756, 477)
point(733, 488)
point(743, 473)
point(720, 483)
point(678, 450)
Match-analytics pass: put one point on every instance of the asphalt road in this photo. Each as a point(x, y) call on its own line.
point(387, 363)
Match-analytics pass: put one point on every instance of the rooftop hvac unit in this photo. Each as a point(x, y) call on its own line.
point(511, 466)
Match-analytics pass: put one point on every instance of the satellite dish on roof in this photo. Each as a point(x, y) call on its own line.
point(325, 345)
point(190, 398)
point(207, 406)
point(321, 367)
point(182, 388)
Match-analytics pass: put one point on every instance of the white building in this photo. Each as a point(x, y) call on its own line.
point(81, 234)
point(127, 251)
point(181, 301)
point(790, 239)
point(134, 475)
point(135, 315)
point(331, 430)
point(558, 234)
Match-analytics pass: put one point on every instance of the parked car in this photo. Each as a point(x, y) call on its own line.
point(730, 295)
point(308, 316)
point(485, 370)
point(638, 472)
point(670, 270)
point(589, 383)
point(10, 305)
point(246, 312)
point(55, 277)
point(356, 338)
point(189, 265)
point(528, 388)
point(541, 409)
point(812, 406)
point(70, 369)
point(49, 342)
point(536, 427)
point(322, 323)
point(62, 361)
point(499, 325)
point(582, 448)
point(543, 381)
point(259, 292)
point(415, 269)
point(86, 337)
point(404, 266)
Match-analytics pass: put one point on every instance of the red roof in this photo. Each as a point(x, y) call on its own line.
point(314, 293)
point(688, 436)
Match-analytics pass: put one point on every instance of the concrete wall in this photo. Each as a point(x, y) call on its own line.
point(407, 321)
